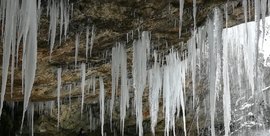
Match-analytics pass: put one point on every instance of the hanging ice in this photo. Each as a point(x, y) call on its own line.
point(139, 75)
point(124, 101)
point(115, 70)
point(173, 97)
point(226, 83)
point(10, 8)
point(30, 118)
point(87, 43)
point(181, 13)
point(101, 103)
point(59, 71)
point(69, 95)
point(53, 24)
point(155, 85)
point(214, 38)
point(77, 44)
point(30, 52)
point(82, 85)
point(93, 35)
point(61, 20)
point(192, 58)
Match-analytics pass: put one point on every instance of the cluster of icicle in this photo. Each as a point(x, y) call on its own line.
point(119, 65)
point(87, 51)
point(231, 53)
point(19, 24)
point(169, 77)
point(58, 10)
point(221, 53)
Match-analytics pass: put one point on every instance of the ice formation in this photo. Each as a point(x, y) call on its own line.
point(87, 43)
point(9, 24)
point(155, 86)
point(93, 35)
point(181, 13)
point(139, 75)
point(83, 72)
point(101, 103)
point(59, 71)
point(77, 44)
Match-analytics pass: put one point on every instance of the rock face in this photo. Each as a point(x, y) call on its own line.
point(114, 21)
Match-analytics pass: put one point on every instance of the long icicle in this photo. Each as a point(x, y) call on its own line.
point(10, 25)
point(124, 101)
point(31, 53)
point(226, 83)
point(59, 71)
point(181, 10)
point(82, 85)
point(101, 103)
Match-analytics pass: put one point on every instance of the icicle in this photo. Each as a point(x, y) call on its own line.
point(53, 24)
point(69, 96)
point(214, 38)
point(257, 31)
point(94, 85)
point(93, 35)
point(59, 71)
point(124, 101)
point(140, 75)
point(226, 83)
point(197, 120)
point(30, 55)
point(155, 85)
point(194, 15)
point(87, 43)
point(77, 44)
point(192, 58)
point(66, 19)
point(181, 13)
point(101, 103)
point(61, 19)
point(82, 85)
point(11, 8)
point(263, 12)
point(115, 76)
point(30, 117)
